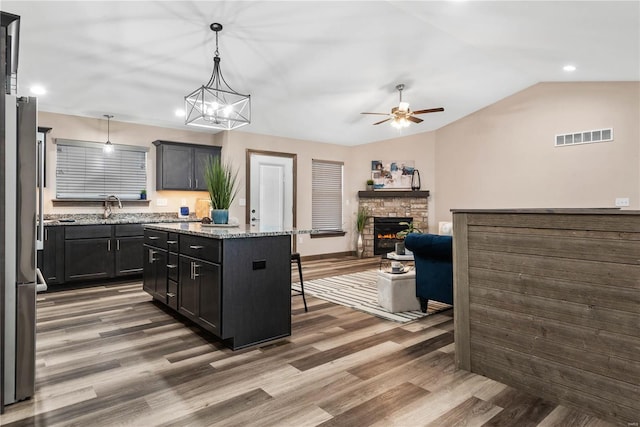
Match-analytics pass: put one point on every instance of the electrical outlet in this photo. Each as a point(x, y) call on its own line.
point(300, 239)
point(161, 202)
point(242, 202)
point(622, 202)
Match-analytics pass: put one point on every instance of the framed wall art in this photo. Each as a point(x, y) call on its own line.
point(392, 174)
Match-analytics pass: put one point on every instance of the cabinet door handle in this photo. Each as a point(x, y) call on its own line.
point(151, 254)
point(153, 237)
point(196, 247)
point(195, 272)
point(171, 294)
point(191, 273)
point(196, 182)
point(46, 234)
point(172, 266)
point(172, 242)
point(190, 183)
point(109, 245)
point(117, 244)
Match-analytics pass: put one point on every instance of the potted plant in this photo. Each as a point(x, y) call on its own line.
point(143, 194)
point(400, 249)
point(361, 221)
point(221, 182)
point(369, 185)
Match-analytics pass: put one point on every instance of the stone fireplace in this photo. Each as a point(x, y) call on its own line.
point(393, 204)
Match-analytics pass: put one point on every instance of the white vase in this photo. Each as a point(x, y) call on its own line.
point(360, 246)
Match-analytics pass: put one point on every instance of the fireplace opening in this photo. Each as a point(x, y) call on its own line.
point(384, 233)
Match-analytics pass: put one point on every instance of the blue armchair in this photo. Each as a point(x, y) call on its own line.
point(433, 256)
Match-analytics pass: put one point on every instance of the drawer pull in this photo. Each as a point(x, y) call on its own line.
point(153, 237)
point(172, 242)
point(196, 247)
point(171, 295)
point(151, 254)
point(172, 266)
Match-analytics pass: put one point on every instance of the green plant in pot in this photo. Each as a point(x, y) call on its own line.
point(222, 185)
point(400, 249)
point(369, 185)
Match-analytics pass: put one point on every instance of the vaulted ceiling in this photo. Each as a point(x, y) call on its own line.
point(311, 67)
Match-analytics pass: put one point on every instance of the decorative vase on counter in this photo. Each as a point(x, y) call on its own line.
point(360, 246)
point(415, 180)
point(220, 216)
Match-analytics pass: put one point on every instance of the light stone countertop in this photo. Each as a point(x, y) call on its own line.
point(116, 218)
point(223, 232)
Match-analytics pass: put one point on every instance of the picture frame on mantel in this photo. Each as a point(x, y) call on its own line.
point(392, 174)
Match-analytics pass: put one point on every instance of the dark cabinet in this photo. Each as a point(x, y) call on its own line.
point(88, 252)
point(51, 258)
point(128, 253)
point(199, 292)
point(239, 289)
point(128, 256)
point(180, 166)
point(155, 272)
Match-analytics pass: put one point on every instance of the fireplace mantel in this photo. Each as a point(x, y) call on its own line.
point(393, 193)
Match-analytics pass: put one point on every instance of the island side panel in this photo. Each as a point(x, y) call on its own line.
point(553, 306)
point(256, 291)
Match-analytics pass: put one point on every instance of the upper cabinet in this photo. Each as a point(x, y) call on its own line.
point(181, 166)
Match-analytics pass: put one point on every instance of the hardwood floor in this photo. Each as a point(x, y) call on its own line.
point(108, 355)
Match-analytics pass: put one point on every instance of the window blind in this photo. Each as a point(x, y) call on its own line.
point(326, 195)
point(85, 171)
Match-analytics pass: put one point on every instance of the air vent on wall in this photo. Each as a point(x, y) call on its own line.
point(584, 137)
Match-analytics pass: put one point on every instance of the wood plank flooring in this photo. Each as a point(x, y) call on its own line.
point(108, 355)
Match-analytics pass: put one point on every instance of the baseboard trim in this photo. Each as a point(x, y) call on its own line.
point(326, 256)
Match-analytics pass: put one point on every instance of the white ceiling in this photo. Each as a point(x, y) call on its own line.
point(312, 66)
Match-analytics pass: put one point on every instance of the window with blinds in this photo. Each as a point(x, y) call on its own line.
point(85, 171)
point(326, 195)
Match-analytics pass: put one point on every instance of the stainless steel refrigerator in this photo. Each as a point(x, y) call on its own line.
point(20, 247)
point(18, 163)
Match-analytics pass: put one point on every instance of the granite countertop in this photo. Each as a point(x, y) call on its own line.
point(119, 218)
point(224, 232)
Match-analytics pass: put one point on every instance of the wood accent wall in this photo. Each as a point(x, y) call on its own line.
point(548, 301)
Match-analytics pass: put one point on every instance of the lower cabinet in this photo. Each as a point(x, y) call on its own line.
point(199, 292)
point(155, 272)
point(51, 257)
point(88, 259)
point(87, 252)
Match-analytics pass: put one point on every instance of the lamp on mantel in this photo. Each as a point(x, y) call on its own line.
point(215, 105)
point(108, 146)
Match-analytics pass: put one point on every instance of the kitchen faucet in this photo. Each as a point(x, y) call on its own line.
point(107, 205)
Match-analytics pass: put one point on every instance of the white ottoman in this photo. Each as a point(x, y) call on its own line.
point(397, 292)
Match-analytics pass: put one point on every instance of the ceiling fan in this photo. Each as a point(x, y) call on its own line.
point(401, 116)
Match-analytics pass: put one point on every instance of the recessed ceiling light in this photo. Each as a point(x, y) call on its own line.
point(569, 68)
point(180, 112)
point(38, 90)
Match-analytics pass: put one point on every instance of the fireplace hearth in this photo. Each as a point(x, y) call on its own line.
point(384, 233)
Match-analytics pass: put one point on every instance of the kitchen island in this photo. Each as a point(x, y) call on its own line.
point(234, 282)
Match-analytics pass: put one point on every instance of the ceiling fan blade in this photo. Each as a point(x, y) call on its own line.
point(414, 119)
point(430, 110)
point(385, 120)
point(379, 114)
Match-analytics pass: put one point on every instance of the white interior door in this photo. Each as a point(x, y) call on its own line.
point(271, 198)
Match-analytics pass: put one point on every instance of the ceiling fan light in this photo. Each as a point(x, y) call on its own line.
point(403, 106)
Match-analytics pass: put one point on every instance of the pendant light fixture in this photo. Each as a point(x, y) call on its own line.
point(215, 105)
point(108, 146)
